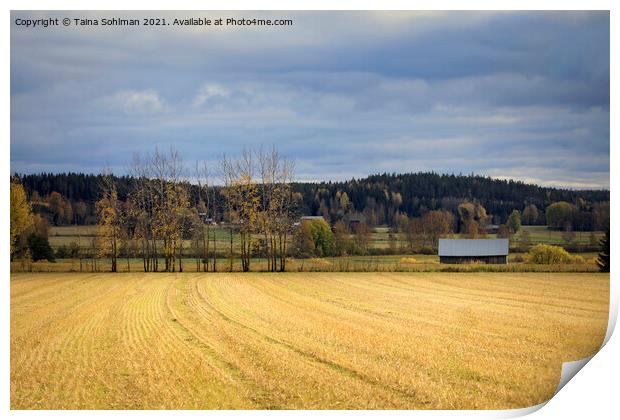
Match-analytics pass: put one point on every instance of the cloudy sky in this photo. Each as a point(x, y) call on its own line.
point(510, 94)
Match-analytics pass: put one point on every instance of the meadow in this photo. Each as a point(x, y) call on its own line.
point(299, 340)
point(379, 239)
point(375, 263)
point(538, 234)
point(402, 260)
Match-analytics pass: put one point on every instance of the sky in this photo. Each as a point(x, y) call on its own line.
point(520, 95)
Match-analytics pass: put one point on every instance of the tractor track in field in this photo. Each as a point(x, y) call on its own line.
point(298, 340)
point(256, 393)
point(315, 358)
point(251, 340)
point(71, 339)
point(194, 340)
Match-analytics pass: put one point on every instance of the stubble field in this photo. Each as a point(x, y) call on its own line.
point(299, 340)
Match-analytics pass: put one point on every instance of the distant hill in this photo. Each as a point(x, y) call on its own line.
point(424, 191)
point(379, 196)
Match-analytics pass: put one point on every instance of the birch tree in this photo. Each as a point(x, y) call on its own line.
point(109, 227)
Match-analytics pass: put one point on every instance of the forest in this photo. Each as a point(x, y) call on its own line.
point(379, 198)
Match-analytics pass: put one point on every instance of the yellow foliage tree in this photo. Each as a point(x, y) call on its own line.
point(109, 228)
point(21, 214)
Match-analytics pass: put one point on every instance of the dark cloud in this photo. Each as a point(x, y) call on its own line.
point(519, 94)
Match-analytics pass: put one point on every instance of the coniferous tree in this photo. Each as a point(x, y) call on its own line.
point(603, 256)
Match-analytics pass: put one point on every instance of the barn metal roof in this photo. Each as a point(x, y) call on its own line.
point(472, 247)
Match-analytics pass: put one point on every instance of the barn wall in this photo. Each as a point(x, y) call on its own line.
point(489, 259)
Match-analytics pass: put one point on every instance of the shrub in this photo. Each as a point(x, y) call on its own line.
point(68, 251)
point(320, 262)
point(62, 252)
point(579, 259)
point(313, 238)
point(408, 260)
point(549, 254)
point(425, 250)
point(40, 248)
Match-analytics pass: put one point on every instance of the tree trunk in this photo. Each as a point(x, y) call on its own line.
point(145, 255)
point(274, 252)
point(155, 259)
point(114, 255)
point(214, 253)
point(231, 250)
point(268, 250)
point(205, 248)
point(283, 253)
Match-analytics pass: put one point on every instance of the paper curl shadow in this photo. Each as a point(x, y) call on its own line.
point(570, 369)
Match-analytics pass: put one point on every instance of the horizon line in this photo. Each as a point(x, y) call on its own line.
point(353, 178)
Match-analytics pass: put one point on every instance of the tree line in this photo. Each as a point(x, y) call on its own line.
point(157, 215)
point(151, 213)
point(381, 199)
point(255, 202)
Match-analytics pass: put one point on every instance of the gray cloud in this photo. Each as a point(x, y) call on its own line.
point(508, 94)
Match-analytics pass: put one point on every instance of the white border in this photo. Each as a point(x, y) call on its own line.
point(592, 394)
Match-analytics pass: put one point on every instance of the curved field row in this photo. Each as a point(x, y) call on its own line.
point(299, 340)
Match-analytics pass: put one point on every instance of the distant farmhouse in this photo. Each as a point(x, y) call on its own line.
point(206, 219)
point(458, 251)
point(491, 228)
point(354, 220)
point(307, 218)
point(311, 218)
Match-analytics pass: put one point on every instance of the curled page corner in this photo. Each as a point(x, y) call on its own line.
point(520, 412)
point(613, 312)
point(569, 370)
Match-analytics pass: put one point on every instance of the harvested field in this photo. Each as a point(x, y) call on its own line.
point(299, 340)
